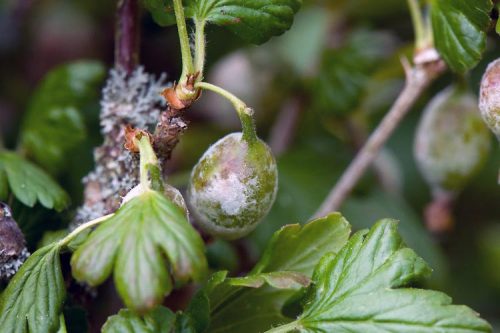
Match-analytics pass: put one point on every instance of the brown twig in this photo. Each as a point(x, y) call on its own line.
point(283, 130)
point(418, 78)
point(127, 35)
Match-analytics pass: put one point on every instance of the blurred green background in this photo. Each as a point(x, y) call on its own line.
point(318, 91)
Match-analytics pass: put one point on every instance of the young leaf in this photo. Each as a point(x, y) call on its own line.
point(29, 183)
point(459, 28)
point(279, 280)
point(290, 248)
point(134, 243)
point(33, 300)
point(238, 309)
point(255, 21)
point(160, 320)
point(54, 122)
point(356, 291)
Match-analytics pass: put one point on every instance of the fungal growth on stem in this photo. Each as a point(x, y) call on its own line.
point(13, 250)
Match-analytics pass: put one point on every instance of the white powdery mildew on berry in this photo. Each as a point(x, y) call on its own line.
point(230, 192)
point(10, 265)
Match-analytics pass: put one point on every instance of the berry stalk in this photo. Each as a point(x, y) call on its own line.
point(244, 112)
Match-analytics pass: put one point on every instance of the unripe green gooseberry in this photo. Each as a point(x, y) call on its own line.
point(489, 101)
point(452, 142)
point(233, 186)
point(170, 192)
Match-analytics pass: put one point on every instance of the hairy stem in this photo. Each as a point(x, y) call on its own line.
point(200, 47)
point(127, 35)
point(417, 80)
point(418, 23)
point(148, 158)
point(244, 112)
point(187, 59)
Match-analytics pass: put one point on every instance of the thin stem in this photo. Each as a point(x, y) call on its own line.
point(245, 113)
point(285, 125)
point(200, 47)
point(66, 240)
point(418, 24)
point(148, 157)
point(417, 80)
point(187, 59)
point(293, 326)
point(127, 35)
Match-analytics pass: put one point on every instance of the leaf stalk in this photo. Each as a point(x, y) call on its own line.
point(187, 59)
point(66, 240)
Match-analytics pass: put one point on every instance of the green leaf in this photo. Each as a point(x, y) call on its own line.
point(497, 29)
point(290, 248)
point(34, 298)
point(160, 320)
point(4, 186)
point(239, 309)
point(134, 244)
point(162, 11)
point(279, 280)
point(255, 21)
point(30, 184)
point(54, 123)
point(345, 72)
point(459, 28)
point(377, 204)
point(356, 291)
point(197, 316)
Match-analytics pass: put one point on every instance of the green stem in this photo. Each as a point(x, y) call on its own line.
point(200, 47)
point(418, 24)
point(148, 159)
point(66, 240)
point(187, 59)
point(429, 34)
point(293, 326)
point(244, 112)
